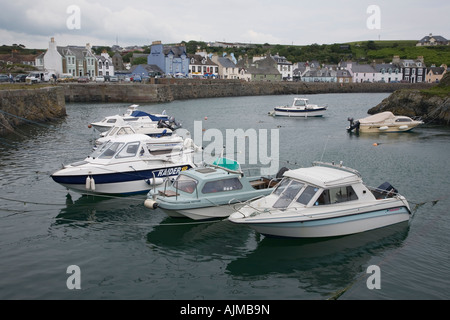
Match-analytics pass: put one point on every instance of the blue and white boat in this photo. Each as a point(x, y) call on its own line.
point(136, 118)
point(300, 108)
point(324, 200)
point(209, 192)
point(129, 164)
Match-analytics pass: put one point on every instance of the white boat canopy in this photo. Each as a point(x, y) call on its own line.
point(379, 117)
point(324, 177)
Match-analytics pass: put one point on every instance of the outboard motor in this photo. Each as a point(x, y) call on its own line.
point(354, 125)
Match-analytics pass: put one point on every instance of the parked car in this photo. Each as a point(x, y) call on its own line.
point(4, 78)
point(66, 77)
point(83, 79)
point(114, 79)
point(20, 78)
point(137, 78)
point(99, 79)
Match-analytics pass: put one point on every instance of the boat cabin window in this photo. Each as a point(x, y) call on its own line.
point(162, 149)
point(222, 185)
point(288, 194)
point(185, 183)
point(307, 195)
point(111, 150)
point(337, 195)
point(403, 120)
point(300, 103)
point(129, 150)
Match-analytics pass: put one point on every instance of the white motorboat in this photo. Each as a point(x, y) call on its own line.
point(208, 192)
point(135, 117)
point(324, 200)
point(300, 108)
point(121, 128)
point(383, 122)
point(129, 164)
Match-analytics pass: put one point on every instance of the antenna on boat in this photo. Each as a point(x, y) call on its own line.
point(324, 148)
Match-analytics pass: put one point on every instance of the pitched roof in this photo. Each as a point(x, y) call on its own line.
point(79, 52)
point(226, 63)
point(177, 51)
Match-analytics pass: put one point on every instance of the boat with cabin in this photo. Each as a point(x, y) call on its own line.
point(136, 117)
point(300, 108)
point(128, 164)
point(122, 128)
point(383, 122)
point(209, 191)
point(325, 200)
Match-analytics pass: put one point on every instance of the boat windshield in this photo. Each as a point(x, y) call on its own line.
point(185, 183)
point(110, 150)
point(281, 186)
point(288, 194)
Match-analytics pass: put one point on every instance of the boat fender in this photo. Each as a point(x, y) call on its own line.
point(383, 128)
point(150, 204)
point(92, 184)
point(403, 127)
point(88, 183)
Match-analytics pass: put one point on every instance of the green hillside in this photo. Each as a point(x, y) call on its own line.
point(361, 51)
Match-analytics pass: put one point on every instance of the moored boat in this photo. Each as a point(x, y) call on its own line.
point(208, 192)
point(129, 164)
point(383, 122)
point(300, 108)
point(324, 200)
point(134, 117)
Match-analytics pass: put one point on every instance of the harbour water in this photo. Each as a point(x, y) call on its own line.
point(125, 251)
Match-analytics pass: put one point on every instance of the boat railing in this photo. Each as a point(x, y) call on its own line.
point(239, 204)
point(336, 166)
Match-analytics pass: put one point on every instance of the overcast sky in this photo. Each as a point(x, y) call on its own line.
point(139, 22)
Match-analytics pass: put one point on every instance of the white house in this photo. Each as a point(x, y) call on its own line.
point(227, 68)
point(105, 64)
point(285, 67)
point(74, 60)
point(53, 60)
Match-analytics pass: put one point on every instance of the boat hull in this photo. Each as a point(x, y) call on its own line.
point(331, 227)
point(205, 213)
point(117, 183)
point(388, 129)
point(299, 113)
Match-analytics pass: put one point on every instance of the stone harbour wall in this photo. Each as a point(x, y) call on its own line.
point(21, 106)
point(166, 90)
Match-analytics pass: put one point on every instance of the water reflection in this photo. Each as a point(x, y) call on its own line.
point(325, 265)
point(87, 209)
point(214, 239)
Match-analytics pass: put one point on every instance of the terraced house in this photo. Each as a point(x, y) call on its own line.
point(172, 60)
point(413, 71)
point(75, 60)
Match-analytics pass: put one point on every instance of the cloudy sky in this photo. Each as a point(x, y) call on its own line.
point(139, 22)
